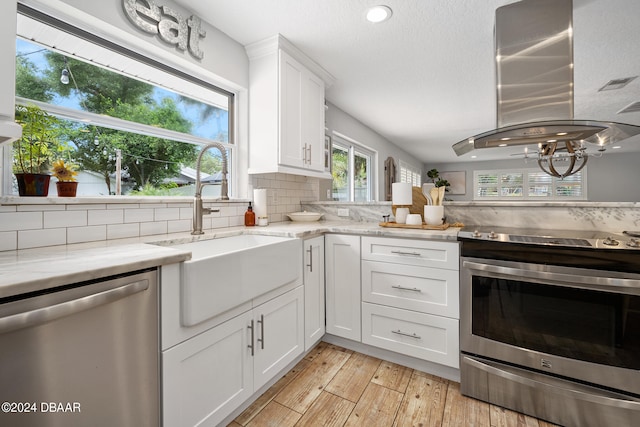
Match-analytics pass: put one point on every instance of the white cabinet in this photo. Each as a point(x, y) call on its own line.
point(208, 376)
point(286, 110)
point(301, 115)
point(279, 335)
point(410, 293)
point(342, 254)
point(314, 315)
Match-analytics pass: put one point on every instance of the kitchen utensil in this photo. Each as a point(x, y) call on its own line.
point(434, 192)
point(426, 188)
point(441, 191)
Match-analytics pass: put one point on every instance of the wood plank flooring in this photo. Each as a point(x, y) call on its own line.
point(333, 386)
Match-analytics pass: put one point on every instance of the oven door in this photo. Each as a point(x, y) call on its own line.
point(567, 322)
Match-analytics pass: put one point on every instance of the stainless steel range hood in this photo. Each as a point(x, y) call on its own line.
point(534, 73)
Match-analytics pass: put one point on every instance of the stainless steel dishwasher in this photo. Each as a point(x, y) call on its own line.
point(82, 355)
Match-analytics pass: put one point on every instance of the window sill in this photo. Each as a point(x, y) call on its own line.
point(95, 200)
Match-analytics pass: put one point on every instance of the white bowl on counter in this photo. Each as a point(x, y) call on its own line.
point(304, 216)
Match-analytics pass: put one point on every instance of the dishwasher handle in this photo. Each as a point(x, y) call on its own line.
point(46, 314)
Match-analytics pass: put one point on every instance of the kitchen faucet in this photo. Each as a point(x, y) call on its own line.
point(198, 209)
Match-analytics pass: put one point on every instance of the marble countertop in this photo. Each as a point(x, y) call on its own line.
point(32, 270)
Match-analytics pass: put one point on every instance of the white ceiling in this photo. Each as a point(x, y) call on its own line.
point(425, 79)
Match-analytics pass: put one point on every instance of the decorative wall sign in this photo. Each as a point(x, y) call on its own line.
point(172, 27)
point(457, 181)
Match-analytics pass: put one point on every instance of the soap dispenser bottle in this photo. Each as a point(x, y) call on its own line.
point(249, 217)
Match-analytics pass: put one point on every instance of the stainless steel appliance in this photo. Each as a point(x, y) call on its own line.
point(82, 355)
point(550, 323)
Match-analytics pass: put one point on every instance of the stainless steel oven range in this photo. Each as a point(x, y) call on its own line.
point(550, 323)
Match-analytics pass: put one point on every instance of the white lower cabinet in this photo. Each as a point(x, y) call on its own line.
point(410, 293)
point(342, 255)
point(208, 376)
point(314, 316)
point(279, 335)
point(425, 336)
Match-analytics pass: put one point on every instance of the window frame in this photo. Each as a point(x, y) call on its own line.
point(352, 148)
point(526, 185)
point(164, 67)
point(406, 169)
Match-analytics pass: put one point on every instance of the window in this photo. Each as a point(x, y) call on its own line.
point(352, 171)
point(119, 108)
point(410, 174)
point(527, 184)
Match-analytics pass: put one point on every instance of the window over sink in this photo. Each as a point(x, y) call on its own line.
point(116, 106)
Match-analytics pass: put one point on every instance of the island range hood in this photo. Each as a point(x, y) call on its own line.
point(534, 73)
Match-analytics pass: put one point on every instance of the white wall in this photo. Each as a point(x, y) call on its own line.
point(341, 122)
point(614, 177)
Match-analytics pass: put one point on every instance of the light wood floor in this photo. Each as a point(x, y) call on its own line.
point(333, 386)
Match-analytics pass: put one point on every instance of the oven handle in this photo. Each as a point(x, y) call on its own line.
point(611, 284)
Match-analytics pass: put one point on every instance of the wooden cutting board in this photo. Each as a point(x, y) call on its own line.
point(418, 202)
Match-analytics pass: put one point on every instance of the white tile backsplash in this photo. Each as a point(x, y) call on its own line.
point(43, 237)
point(107, 216)
point(92, 233)
point(65, 219)
point(12, 221)
point(39, 224)
point(8, 240)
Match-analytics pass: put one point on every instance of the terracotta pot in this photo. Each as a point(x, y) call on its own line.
point(66, 188)
point(33, 184)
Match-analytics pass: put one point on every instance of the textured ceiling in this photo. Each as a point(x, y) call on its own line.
point(425, 79)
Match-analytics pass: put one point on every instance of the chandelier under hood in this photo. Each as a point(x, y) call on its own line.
point(534, 73)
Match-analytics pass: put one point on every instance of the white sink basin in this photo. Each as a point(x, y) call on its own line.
point(226, 272)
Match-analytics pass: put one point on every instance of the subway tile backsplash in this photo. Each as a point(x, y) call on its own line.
point(32, 225)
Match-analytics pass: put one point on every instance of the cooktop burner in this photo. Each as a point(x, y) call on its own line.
point(550, 240)
point(572, 248)
point(556, 238)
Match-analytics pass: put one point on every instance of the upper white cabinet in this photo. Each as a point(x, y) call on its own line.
point(286, 110)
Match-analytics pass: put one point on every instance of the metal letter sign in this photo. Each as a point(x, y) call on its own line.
point(172, 27)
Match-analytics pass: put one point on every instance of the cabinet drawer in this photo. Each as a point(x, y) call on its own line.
point(424, 336)
point(424, 289)
point(426, 253)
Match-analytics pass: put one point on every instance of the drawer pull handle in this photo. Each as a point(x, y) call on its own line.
point(405, 253)
point(404, 334)
point(406, 289)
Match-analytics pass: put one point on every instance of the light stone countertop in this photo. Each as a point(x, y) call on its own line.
point(30, 270)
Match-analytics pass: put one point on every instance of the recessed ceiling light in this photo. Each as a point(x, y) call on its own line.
point(377, 14)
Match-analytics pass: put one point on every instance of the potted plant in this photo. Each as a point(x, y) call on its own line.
point(66, 175)
point(32, 153)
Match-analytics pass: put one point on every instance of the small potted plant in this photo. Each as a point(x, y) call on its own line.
point(66, 175)
point(32, 153)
